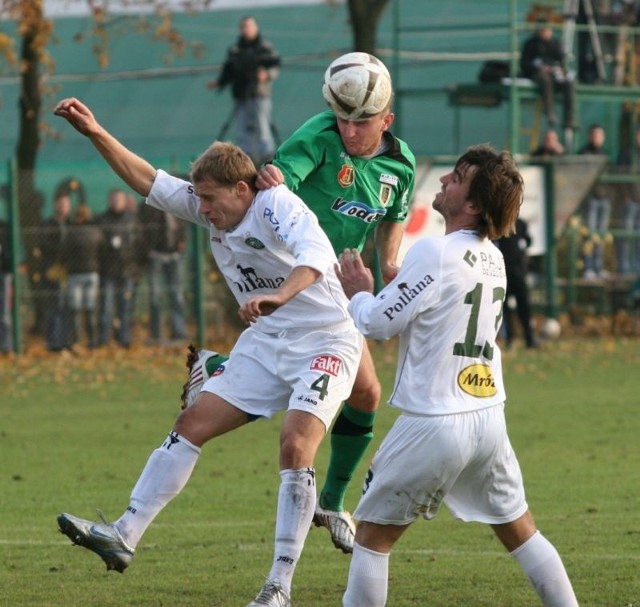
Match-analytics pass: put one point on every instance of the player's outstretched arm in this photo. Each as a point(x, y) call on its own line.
point(135, 171)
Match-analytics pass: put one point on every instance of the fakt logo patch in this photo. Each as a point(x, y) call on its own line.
point(327, 363)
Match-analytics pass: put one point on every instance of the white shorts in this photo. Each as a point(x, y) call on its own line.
point(305, 370)
point(465, 460)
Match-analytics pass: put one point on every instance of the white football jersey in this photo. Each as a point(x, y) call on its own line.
point(446, 305)
point(278, 233)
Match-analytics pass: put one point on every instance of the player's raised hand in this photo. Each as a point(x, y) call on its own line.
point(353, 275)
point(78, 115)
point(134, 170)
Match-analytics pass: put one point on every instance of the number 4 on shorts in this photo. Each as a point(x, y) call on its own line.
point(321, 385)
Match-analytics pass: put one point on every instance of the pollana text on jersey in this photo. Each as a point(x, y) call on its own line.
point(359, 210)
point(251, 281)
point(407, 295)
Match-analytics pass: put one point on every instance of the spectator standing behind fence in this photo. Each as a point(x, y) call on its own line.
point(596, 137)
point(628, 219)
point(628, 248)
point(597, 210)
point(251, 65)
point(53, 274)
point(81, 257)
point(514, 250)
point(597, 213)
point(141, 262)
point(163, 245)
point(550, 145)
point(5, 287)
point(629, 157)
point(542, 60)
point(118, 267)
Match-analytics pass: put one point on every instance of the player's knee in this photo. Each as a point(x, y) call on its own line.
point(365, 396)
point(517, 532)
point(186, 426)
point(295, 452)
point(195, 424)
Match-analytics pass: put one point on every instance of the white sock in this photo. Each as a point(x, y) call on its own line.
point(543, 565)
point(167, 471)
point(296, 503)
point(368, 578)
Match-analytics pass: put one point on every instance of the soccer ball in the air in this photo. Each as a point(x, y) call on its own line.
point(357, 86)
point(550, 329)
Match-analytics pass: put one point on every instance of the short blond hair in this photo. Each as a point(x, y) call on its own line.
point(224, 163)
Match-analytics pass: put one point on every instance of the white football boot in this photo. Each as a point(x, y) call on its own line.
point(271, 595)
point(340, 526)
point(198, 374)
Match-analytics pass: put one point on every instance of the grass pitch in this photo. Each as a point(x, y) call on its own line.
point(76, 432)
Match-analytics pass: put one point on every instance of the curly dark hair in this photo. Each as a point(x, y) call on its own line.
point(496, 188)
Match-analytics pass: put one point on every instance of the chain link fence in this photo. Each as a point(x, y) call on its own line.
point(84, 263)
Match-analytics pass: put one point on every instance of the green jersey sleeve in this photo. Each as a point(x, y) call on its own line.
point(300, 155)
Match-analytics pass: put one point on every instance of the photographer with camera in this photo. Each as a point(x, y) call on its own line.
point(252, 64)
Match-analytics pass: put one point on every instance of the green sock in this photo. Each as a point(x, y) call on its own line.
point(213, 362)
point(350, 436)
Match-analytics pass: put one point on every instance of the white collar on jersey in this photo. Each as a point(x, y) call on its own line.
point(381, 149)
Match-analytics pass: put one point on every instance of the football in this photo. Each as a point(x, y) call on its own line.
point(550, 329)
point(357, 86)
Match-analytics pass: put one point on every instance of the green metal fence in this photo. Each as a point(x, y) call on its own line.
point(36, 282)
point(41, 282)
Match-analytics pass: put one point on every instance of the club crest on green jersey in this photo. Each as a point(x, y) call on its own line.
point(346, 175)
point(384, 196)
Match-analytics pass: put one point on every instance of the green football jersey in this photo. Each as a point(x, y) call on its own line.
point(350, 195)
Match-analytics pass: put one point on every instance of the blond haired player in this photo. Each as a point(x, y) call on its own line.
point(299, 354)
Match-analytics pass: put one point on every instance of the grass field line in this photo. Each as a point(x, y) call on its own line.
point(455, 552)
point(592, 556)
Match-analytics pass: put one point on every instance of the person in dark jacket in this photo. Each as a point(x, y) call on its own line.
point(5, 287)
point(251, 65)
point(514, 250)
point(163, 247)
point(81, 257)
point(53, 271)
point(596, 137)
point(550, 145)
point(543, 61)
point(118, 266)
